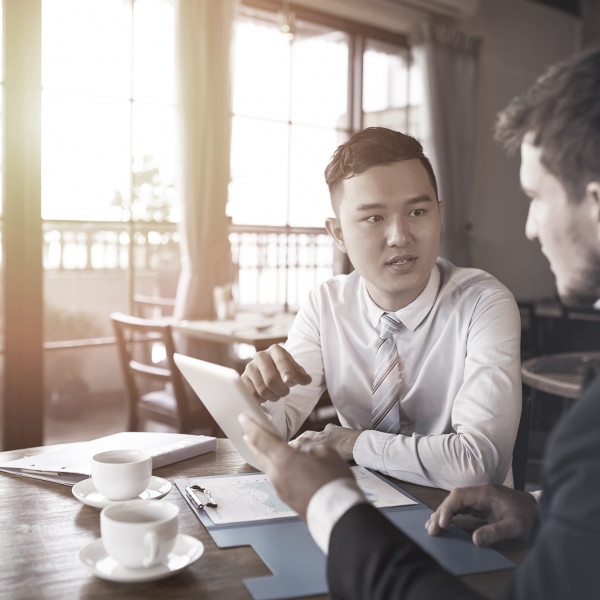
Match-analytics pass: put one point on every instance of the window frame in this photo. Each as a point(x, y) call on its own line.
point(357, 33)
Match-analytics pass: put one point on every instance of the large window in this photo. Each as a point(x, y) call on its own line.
point(108, 182)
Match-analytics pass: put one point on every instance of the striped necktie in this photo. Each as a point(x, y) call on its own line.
point(385, 414)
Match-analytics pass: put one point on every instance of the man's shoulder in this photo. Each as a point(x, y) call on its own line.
point(339, 295)
point(470, 281)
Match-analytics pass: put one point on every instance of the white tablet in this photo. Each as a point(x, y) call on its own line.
point(221, 390)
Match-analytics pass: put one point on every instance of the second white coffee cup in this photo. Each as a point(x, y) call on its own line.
point(121, 474)
point(139, 533)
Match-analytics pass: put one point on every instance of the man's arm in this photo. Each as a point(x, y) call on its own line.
point(289, 380)
point(371, 559)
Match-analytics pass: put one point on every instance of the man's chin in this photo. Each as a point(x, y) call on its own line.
point(579, 298)
point(583, 288)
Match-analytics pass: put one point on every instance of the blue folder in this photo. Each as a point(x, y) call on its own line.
point(299, 566)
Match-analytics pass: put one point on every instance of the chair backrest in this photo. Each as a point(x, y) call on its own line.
point(152, 306)
point(133, 335)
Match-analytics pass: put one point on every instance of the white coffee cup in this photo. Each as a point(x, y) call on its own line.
point(121, 474)
point(139, 533)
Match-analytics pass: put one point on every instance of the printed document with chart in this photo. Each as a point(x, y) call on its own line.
point(247, 498)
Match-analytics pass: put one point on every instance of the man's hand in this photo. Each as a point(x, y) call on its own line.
point(296, 475)
point(509, 513)
point(271, 374)
point(334, 436)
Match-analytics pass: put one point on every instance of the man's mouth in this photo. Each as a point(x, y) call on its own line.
point(401, 260)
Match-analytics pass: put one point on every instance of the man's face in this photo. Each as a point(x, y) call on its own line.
point(567, 232)
point(389, 223)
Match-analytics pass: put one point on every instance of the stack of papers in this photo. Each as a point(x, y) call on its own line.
point(73, 463)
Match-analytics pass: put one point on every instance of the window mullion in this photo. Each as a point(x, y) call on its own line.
point(355, 82)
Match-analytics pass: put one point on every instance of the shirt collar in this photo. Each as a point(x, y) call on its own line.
point(413, 314)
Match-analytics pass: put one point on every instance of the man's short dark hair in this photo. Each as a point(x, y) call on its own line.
point(562, 112)
point(371, 147)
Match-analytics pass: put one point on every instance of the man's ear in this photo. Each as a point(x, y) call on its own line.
point(332, 224)
point(592, 192)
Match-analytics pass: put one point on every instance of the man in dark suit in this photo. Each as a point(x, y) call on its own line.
point(556, 124)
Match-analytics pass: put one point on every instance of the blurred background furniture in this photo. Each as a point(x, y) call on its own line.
point(551, 383)
point(252, 327)
point(152, 306)
point(563, 375)
point(155, 388)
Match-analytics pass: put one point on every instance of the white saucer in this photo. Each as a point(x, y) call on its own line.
point(86, 492)
point(93, 557)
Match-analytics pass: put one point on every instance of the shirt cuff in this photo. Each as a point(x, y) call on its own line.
point(327, 506)
point(369, 449)
point(275, 412)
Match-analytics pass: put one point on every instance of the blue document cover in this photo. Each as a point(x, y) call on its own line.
point(299, 566)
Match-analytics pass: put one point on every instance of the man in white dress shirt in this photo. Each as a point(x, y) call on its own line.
point(458, 388)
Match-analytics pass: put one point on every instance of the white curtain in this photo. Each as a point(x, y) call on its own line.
point(203, 56)
point(449, 61)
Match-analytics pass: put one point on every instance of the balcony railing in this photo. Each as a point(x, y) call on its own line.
point(274, 265)
point(280, 265)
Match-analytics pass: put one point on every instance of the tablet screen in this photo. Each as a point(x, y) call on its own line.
point(221, 390)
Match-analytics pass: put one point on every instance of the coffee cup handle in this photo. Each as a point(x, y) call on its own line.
point(151, 544)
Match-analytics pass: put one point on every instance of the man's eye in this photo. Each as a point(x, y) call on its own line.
point(374, 219)
point(418, 212)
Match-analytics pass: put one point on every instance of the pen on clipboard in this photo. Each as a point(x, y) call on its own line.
point(200, 502)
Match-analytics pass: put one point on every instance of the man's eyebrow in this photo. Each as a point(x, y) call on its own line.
point(379, 205)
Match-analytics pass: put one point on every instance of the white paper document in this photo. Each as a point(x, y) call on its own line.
point(245, 498)
point(72, 464)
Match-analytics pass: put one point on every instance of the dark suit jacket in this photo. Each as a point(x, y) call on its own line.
point(371, 559)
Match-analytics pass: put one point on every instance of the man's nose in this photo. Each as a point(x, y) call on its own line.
point(397, 232)
point(531, 230)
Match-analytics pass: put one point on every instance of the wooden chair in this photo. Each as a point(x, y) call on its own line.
point(156, 391)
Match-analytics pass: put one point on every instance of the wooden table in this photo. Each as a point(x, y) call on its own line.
point(559, 374)
point(253, 328)
point(44, 526)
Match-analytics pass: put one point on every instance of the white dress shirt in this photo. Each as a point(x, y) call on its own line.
point(460, 396)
